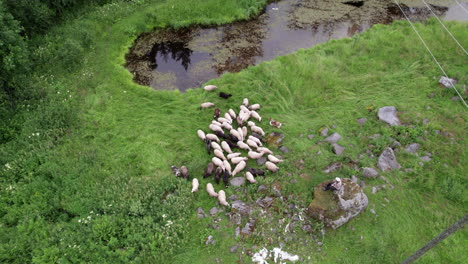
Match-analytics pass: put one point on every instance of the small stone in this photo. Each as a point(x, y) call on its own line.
point(372, 211)
point(412, 148)
point(455, 98)
point(262, 188)
point(240, 207)
point(333, 138)
point(265, 202)
point(307, 228)
point(284, 149)
point(437, 131)
point(386, 199)
point(237, 181)
point(374, 190)
point(237, 232)
point(200, 213)
point(395, 145)
point(375, 136)
point(319, 244)
point(214, 211)
point(311, 136)
point(319, 153)
point(210, 241)
point(447, 82)
point(425, 158)
point(261, 160)
point(338, 149)
point(324, 132)
point(431, 95)
point(388, 161)
point(333, 126)
point(354, 179)
point(409, 170)
point(388, 114)
point(232, 197)
point(425, 121)
point(362, 120)
point(446, 165)
point(369, 173)
point(362, 184)
point(333, 167)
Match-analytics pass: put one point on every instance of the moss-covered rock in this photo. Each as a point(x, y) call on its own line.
point(337, 207)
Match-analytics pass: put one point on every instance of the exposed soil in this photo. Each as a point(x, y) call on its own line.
point(185, 58)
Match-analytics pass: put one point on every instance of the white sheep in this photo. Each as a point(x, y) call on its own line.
point(250, 177)
point(256, 140)
point(224, 120)
point(215, 145)
point(214, 122)
point(255, 155)
point(222, 198)
point(232, 113)
point(264, 150)
point(233, 155)
point(227, 166)
point(195, 185)
point(235, 133)
point(241, 133)
point(252, 143)
point(210, 87)
point(226, 147)
point(215, 128)
point(254, 107)
point(237, 160)
point(271, 166)
point(212, 137)
point(274, 159)
point(210, 190)
point(218, 153)
point(201, 134)
point(245, 102)
point(239, 168)
point(255, 115)
point(250, 123)
point(242, 145)
point(244, 109)
point(226, 126)
point(258, 130)
point(228, 117)
point(217, 162)
point(207, 105)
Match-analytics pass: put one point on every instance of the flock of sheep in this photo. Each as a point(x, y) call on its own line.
point(224, 137)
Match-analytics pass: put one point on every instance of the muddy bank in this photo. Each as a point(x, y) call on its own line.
point(186, 58)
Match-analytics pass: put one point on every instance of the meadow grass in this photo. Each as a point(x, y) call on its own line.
point(113, 165)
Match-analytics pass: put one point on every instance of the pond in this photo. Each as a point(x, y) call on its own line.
point(186, 58)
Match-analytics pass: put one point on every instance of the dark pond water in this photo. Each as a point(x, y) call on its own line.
point(186, 58)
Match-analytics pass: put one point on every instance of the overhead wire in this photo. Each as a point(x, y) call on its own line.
point(448, 31)
point(437, 62)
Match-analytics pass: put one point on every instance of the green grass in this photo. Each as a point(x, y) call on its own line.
point(114, 160)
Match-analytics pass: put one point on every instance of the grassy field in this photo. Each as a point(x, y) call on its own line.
point(98, 187)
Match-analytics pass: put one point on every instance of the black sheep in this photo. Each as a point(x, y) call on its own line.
point(224, 95)
point(209, 170)
point(218, 174)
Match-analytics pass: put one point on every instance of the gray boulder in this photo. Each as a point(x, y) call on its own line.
point(262, 160)
point(388, 114)
point(369, 173)
point(447, 82)
point(237, 181)
point(338, 149)
point(387, 160)
point(324, 132)
point(335, 208)
point(362, 121)
point(412, 148)
point(333, 138)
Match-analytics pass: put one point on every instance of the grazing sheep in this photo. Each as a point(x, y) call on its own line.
point(224, 95)
point(250, 123)
point(244, 109)
point(201, 134)
point(226, 126)
point(215, 145)
point(274, 159)
point(212, 137)
point(245, 102)
point(184, 173)
point(257, 129)
point(210, 88)
point(214, 122)
point(210, 190)
point(224, 120)
point(271, 166)
point(233, 155)
point(207, 105)
point(228, 117)
point(256, 172)
point(217, 162)
point(239, 168)
point(257, 136)
point(226, 147)
point(222, 198)
point(209, 170)
point(195, 185)
point(252, 143)
point(264, 150)
point(220, 134)
point(208, 145)
point(254, 107)
point(256, 115)
point(254, 155)
point(237, 160)
point(242, 145)
point(218, 153)
point(241, 133)
point(227, 166)
point(245, 132)
point(215, 128)
point(176, 170)
point(250, 177)
point(218, 174)
point(232, 113)
point(275, 123)
point(217, 112)
point(226, 175)
point(256, 140)
point(232, 143)
point(239, 120)
point(236, 134)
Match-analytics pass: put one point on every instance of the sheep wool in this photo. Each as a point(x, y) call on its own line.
point(210, 88)
point(218, 153)
point(195, 185)
point(239, 168)
point(222, 198)
point(210, 190)
point(226, 147)
point(274, 159)
point(233, 155)
point(250, 177)
point(271, 166)
point(212, 137)
point(207, 105)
